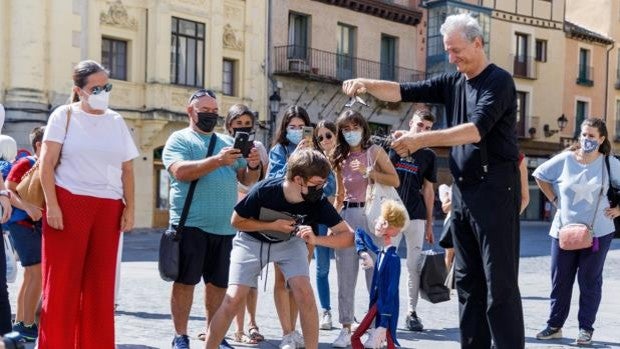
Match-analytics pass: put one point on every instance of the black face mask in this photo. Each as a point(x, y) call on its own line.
point(314, 194)
point(207, 121)
point(247, 130)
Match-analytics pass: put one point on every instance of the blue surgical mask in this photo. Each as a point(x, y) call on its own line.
point(294, 136)
point(588, 145)
point(352, 137)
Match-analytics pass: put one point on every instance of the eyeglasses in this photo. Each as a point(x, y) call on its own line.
point(201, 93)
point(98, 89)
point(321, 138)
point(355, 99)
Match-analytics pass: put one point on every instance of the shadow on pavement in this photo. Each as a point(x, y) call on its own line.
point(153, 316)
point(569, 342)
point(133, 346)
point(440, 334)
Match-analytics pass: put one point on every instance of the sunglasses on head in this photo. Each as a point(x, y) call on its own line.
point(201, 93)
point(328, 135)
point(98, 89)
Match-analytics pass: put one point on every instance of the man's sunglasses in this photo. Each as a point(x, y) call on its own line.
point(328, 135)
point(201, 93)
point(98, 89)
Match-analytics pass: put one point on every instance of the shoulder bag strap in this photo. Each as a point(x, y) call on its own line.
point(610, 189)
point(192, 187)
point(600, 196)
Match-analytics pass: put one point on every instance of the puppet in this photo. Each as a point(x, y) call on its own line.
point(383, 306)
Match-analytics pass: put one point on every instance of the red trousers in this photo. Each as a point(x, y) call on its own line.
point(79, 265)
point(356, 341)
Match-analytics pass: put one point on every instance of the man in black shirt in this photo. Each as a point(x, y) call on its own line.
point(262, 240)
point(417, 173)
point(480, 101)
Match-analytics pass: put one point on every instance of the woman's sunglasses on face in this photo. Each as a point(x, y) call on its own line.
point(321, 138)
point(98, 89)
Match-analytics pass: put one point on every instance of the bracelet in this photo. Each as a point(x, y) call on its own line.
point(255, 168)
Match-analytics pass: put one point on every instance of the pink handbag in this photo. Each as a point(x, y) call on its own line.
point(575, 236)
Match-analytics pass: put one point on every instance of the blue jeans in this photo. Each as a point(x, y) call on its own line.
point(322, 257)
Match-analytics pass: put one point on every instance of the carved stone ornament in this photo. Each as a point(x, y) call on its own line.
point(230, 38)
point(117, 16)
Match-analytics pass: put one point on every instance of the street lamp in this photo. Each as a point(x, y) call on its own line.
point(274, 109)
point(562, 122)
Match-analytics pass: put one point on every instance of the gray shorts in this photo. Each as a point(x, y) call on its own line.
point(249, 256)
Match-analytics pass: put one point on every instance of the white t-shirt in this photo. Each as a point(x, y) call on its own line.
point(93, 151)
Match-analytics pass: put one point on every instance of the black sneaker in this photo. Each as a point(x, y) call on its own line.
point(180, 342)
point(550, 333)
point(413, 322)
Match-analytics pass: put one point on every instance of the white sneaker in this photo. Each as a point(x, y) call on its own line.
point(326, 321)
point(375, 339)
point(288, 341)
point(343, 340)
point(299, 339)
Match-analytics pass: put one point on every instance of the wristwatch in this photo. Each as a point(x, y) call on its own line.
point(6, 193)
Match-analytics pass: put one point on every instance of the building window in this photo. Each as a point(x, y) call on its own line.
point(521, 113)
point(228, 77)
point(388, 58)
point(378, 129)
point(187, 52)
point(114, 57)
point(345, 68)
point(584, 76)
point(541, 50)
point(520, 62)
point(581, 113)
point(298, 35)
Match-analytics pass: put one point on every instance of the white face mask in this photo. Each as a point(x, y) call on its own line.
point(99, 101)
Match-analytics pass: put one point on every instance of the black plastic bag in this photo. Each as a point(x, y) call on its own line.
point(433, 276)
point(445, 239)
point(169, 254)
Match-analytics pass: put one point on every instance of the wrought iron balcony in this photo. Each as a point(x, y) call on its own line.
point(524, 67)
point(321, 65)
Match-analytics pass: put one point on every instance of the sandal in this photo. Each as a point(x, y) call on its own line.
point(255, 334)
point(241, 337)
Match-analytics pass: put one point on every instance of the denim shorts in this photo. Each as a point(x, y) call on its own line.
point(27, 242)
point(249, 256)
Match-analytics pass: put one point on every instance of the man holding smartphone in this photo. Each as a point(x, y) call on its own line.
point(207, 236)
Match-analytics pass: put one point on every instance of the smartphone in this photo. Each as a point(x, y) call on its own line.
point(243, 143)
point(308, 133)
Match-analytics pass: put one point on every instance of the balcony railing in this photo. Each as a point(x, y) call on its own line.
point(332, 67)
point(584, 76)
point(524, 67)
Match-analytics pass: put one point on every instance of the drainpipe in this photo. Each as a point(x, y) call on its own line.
point(607, 81)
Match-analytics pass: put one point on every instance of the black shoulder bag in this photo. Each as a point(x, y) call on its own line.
point(170, 244)
point(613, 195)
